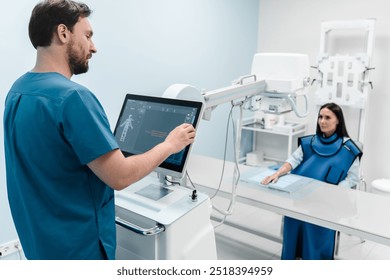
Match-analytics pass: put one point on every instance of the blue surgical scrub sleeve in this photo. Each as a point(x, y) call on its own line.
point(53, 127)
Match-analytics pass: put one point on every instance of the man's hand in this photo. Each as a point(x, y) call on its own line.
point(180, 137)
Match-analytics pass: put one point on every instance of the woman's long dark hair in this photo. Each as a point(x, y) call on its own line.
point(341, 129)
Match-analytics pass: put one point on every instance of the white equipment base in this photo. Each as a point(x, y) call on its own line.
point(163, 223)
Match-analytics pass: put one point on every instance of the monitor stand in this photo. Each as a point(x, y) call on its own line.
point(174, 180)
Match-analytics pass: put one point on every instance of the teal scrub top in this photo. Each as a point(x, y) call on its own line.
point(53, 127)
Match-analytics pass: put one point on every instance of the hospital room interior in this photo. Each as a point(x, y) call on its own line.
point(257, 72)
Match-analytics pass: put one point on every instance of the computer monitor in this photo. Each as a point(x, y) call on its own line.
point(145, 121)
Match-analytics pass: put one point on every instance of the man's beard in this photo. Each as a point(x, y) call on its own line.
point(77, 63)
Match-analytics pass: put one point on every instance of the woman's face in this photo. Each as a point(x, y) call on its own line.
point(327, 121)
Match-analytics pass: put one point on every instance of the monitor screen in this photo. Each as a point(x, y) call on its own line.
point(145, 121)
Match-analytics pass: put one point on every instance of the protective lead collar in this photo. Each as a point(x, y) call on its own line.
point(326, 146)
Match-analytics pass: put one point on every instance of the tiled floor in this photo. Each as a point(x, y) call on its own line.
point(238, 244)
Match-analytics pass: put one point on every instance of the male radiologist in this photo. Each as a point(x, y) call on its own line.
point(62, 160)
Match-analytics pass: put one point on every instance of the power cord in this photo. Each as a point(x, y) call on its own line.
point(224, 154)
point(194, 194)
point(19, 251)
point(236, 174)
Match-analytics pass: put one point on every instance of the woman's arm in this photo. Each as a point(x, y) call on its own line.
point(284, 169)
point(293, 161)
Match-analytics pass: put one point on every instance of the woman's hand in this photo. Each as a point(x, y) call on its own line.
point(284, 169)
point(270, 179)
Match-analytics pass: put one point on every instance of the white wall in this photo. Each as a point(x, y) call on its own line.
point(294, 26)
point(16, 57)
point(143, 47)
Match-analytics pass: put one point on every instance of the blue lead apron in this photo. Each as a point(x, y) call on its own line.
point(328, 160)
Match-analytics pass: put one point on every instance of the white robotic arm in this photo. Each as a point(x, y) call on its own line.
point(275, 82)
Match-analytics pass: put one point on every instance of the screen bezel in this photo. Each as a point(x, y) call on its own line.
point(165, 168)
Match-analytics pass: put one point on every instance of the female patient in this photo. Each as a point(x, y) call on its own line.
point(329, 156)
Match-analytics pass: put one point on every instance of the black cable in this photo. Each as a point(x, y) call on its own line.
point(189, 179)
point(171, 182)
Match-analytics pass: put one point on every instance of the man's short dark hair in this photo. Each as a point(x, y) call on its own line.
point(48, 14)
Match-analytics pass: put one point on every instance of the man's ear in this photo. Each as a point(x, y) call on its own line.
point(62, 33)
